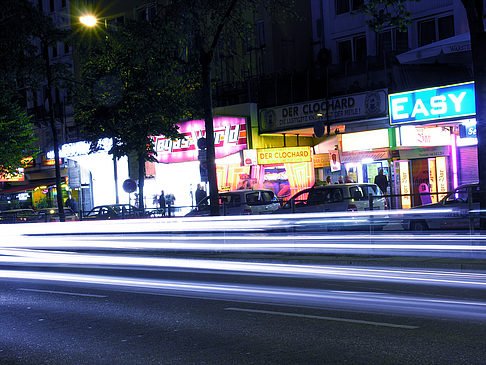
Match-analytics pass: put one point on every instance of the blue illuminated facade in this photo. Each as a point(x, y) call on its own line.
point(431, 104)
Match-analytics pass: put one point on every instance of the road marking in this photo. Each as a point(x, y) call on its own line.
point(63, 292)
point(382, 324)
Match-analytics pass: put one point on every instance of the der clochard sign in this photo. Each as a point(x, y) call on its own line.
point(434, 103)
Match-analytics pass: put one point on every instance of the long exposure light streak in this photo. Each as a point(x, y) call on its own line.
point(317, 298)
point(411, 276)
point(224, 224)
point(409, 245)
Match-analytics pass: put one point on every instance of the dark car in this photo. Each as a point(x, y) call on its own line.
point(335, 198)
point(451, 212)
point(113, 211)
point(19, 216)
point(52, 215)
point(240, 202)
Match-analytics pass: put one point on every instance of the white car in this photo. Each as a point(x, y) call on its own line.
point(240, 202)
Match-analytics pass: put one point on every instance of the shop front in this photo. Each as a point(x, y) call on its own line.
point(363, 154)
point(321, 125)
point(436, 146)
point(34, 186)
point(284, 170)
point(180, 163)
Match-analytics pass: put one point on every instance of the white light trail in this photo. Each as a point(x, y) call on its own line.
point(412, 276)
point(301, 297)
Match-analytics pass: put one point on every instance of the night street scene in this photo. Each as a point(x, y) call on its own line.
point(242, 182)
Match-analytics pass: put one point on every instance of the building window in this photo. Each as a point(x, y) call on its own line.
point(63, 3)
point(39, 3)
point(116, 21)
point(345, 52)
point(54, 51)
point(146, 13)
point(391, 40)
point(57, 96)
point(342, 6)
point(345, 6)
point(432, 30)
point(356, 4)
point(359, 48)
point(66, 48)
point(427, 32)
point(445, 27)
point(352, 50)
point(51, 5)
point(260, 34)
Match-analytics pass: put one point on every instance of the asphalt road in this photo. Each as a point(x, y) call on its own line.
point(145, 293)
point(272, 320)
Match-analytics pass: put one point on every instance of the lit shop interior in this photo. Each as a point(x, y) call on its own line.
point(429, 160)
point(435, 141)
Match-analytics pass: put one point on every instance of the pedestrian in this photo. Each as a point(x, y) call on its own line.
point(340, 180)
point(328, 180)
point(169, 199)
point(382, 181)
point(162, 203)
point(348, 179)
point(200, 193)
point(71, 203)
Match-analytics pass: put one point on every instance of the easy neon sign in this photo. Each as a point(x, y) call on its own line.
point(434, 103)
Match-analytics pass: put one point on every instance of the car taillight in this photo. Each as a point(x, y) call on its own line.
point(352, 208)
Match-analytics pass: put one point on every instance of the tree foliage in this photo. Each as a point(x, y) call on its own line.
point(26, 34)
point(136, 82)
point(382, 14)
point(220, 25)
point(17, 140)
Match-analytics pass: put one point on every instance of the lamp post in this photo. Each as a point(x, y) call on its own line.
point(90, 21)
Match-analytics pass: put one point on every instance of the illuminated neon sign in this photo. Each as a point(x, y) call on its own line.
point(269, 156)
point(229, 138)
point(434, 103)
point(19, 176)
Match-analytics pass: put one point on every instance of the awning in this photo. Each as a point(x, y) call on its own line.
point(455, 49)
point(358, 156)
point(26, 187)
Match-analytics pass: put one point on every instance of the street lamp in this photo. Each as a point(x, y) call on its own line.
point(88, 20)
point(91, 21)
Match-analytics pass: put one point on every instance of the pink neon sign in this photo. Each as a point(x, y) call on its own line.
point(229, 138)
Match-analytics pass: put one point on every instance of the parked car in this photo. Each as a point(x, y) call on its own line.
point(19, 216)
point(52, 215)
point(240, 202)
point(113, 211)
point(335, 198)
point(451, 212)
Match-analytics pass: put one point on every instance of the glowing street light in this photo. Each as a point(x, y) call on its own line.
point(88, 20)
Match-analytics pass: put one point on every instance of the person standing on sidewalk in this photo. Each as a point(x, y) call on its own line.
point(382, 181)
point(162, 203)
point(200, 193)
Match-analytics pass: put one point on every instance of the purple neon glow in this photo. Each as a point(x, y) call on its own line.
point(229, 137)
point(455, 183)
